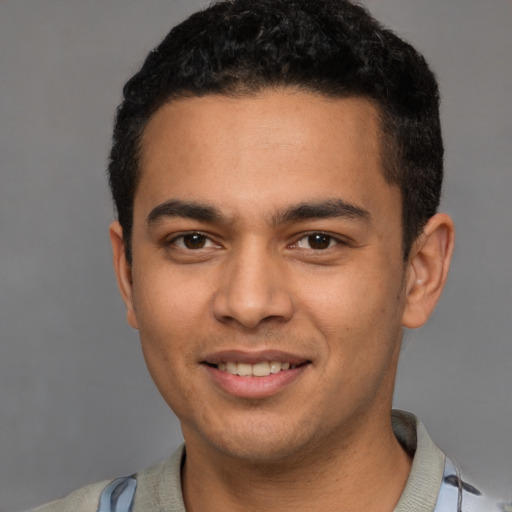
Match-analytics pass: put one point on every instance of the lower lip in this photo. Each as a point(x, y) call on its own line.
point(254, 387)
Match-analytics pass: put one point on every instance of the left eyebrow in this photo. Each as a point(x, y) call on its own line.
point(331, 208)
point(184, 209)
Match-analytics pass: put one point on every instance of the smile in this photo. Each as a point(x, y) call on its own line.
point(261, 369)
point(254, 374)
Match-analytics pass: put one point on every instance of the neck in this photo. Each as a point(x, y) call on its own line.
point(363, 470)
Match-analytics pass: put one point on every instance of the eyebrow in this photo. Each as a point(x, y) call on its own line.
point(185, 209)
point(331, 208)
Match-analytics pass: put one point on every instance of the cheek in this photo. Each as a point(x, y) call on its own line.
point(357, 306)
point(170, 312)
point(167, 326)
point(168, 300)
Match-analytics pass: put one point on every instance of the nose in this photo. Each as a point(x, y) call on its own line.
point(253, 291)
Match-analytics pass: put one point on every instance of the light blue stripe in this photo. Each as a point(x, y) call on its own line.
point(118, 495)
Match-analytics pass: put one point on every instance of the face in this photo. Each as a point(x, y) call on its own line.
point(267, 279)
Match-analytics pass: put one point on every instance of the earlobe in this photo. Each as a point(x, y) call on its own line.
point(427, 271)
point(123, 271)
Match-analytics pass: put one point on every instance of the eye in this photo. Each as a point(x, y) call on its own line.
point(317, 241)
point(192, 241)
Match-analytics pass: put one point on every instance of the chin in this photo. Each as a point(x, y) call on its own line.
point(262, 452)
point(262, 443)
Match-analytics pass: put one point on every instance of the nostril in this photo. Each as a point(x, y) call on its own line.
point(252, 310)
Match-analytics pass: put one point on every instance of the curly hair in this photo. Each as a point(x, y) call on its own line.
point(331, 47)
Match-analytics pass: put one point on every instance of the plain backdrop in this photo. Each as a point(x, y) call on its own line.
point(76, 402)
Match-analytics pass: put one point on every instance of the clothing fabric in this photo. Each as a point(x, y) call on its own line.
point(435, 484)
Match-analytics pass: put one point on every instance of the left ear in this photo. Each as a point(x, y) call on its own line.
point(428, 265)
point(123, 271)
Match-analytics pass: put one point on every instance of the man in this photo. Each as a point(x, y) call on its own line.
point(276, 169)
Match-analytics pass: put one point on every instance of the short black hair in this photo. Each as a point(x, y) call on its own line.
point(331, 47)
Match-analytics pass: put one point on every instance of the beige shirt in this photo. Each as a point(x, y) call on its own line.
point(159, 487)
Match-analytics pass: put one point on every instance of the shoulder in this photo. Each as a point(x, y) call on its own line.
point(435, 483)
point(155, 488)
point(85, 499)
point(107, 496)
point(458, 493)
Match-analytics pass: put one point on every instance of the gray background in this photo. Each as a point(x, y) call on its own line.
point(76, 402)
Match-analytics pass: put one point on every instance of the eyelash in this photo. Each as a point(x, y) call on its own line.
point(331, 240)
point(204, 238)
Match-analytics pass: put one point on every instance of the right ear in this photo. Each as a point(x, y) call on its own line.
point(123, 271)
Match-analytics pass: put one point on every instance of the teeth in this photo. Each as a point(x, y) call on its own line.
point(244, 369)
point(261, 369)
point(275, 367)
point(254, 370)
point(231, 368)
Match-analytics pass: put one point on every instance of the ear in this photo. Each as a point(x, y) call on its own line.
point(427, 270)
point(123, 271)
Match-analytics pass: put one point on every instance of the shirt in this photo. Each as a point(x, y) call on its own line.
point(435, 484)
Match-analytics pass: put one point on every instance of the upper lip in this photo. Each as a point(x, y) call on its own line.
point(253, 357)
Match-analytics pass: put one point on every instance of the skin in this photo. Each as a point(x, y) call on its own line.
point(252, 272)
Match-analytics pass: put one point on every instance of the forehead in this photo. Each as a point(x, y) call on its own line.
point(274, 146)
point(270, 116)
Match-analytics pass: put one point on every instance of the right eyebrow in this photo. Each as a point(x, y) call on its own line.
point(328, 209)
point(184, 209)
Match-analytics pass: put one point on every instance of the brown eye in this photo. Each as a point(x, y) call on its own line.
point(194, 241)
point(319, 241)
point(193, 245)
point(191, 241)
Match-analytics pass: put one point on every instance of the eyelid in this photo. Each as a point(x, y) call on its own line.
point(171, 240)
point(339, 240)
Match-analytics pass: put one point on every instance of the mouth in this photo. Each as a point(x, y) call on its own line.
point(259, 369)
point(254, 374)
